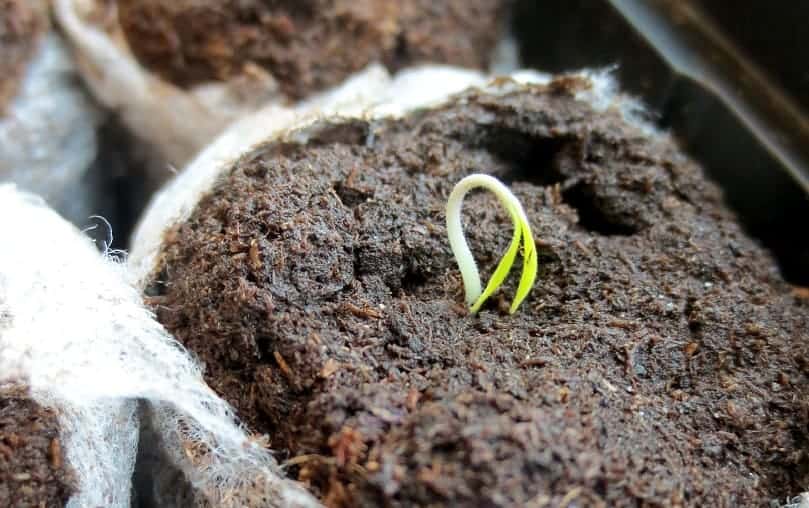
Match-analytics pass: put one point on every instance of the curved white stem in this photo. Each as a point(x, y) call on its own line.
point(457, 240)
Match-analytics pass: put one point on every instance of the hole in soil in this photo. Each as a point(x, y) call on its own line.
point(349, 132)
point(351, 196)
point(538, 160)
point(400, 54)
point(412, 280)
point(592, 216)
point(529, 158)
point(157, 287)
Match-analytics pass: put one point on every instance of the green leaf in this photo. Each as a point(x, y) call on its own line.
point(505, 264)
point(529, 269)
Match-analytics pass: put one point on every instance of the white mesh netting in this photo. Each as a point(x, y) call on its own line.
point(78, 335)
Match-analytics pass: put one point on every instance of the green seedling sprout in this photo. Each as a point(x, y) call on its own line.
point(475, 297)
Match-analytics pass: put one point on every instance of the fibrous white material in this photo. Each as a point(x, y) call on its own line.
point(371, 94)
point(78, 335)
point(48, 133)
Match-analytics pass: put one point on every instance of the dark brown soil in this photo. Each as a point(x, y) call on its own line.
point(33, 471)
point(22, 22)
point(659, 361)
point(307, 45)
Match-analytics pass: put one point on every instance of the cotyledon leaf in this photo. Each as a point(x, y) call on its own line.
point(504, 266)
point(529, 269)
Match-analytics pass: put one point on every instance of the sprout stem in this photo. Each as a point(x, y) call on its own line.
point(475, 296)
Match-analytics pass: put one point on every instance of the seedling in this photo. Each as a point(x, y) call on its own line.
point(475, 297)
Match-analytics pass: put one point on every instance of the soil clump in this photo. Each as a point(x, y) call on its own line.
point(306, 45)
point(33, 469)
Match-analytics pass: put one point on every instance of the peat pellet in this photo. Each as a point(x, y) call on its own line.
point(660, 359)
point(307, 45)
point(33, 468)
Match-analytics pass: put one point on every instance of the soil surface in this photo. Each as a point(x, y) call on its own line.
point(307, 45)
point(33, 472)
point(660, 359)
point(21, 24)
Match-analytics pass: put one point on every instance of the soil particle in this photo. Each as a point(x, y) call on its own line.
point(33, 471)
point(660, 359)
point(22, 23)
point(307, 45)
